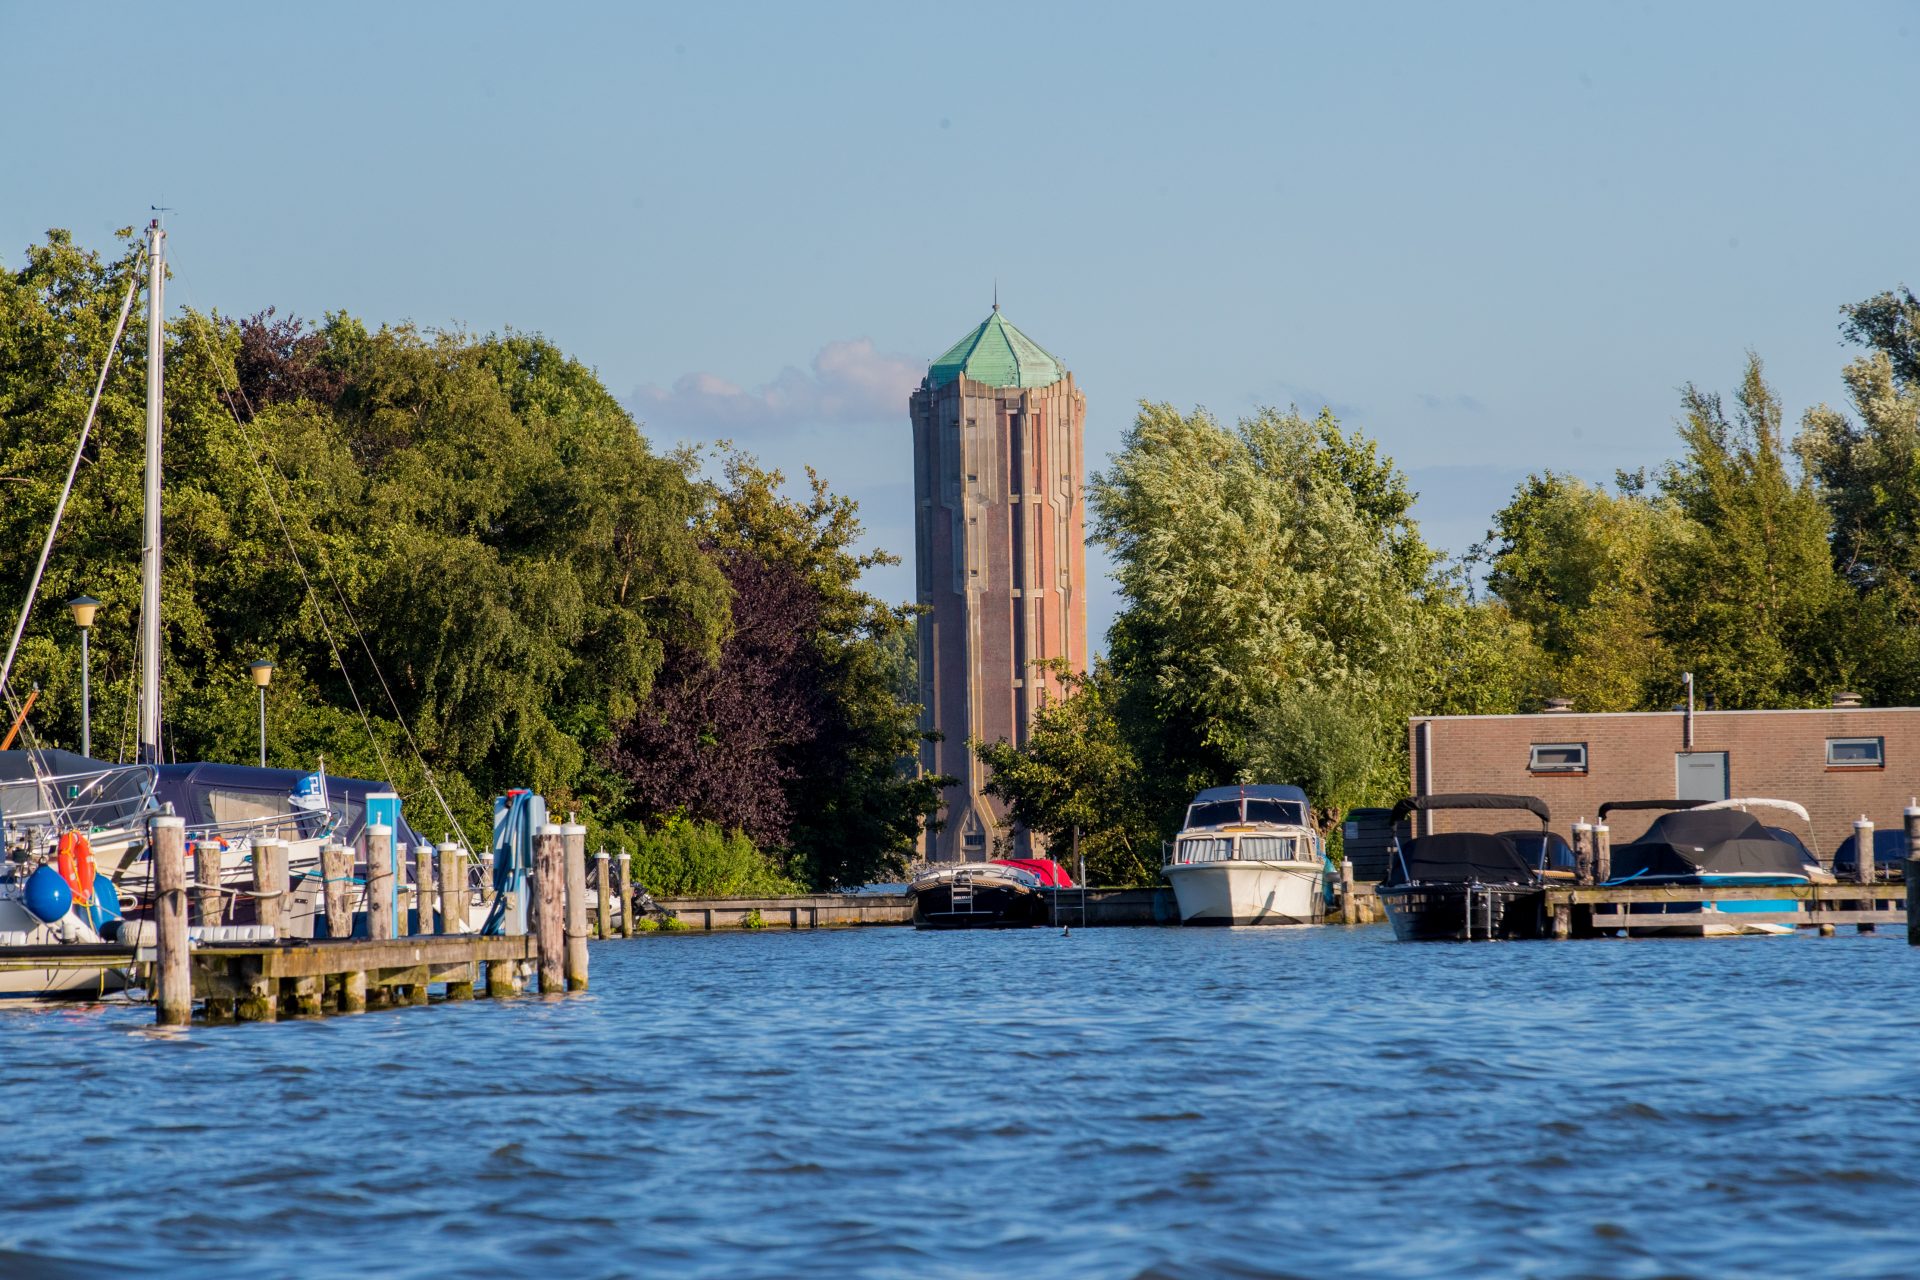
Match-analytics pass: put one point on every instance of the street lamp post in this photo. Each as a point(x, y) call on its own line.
point(84, 607)
point(262, 674)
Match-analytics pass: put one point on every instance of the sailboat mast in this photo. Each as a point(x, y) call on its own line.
point(150, 542)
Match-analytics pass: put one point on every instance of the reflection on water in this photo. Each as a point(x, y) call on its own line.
point(1306, 1102)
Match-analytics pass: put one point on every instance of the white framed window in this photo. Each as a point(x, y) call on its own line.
point(1558, 757)
point(1856, 753)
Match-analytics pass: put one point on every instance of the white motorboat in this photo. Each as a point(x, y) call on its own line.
point(1248, 855)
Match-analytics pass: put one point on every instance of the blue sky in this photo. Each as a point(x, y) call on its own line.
point(1496, 237)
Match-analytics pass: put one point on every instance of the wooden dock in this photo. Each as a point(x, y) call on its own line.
point(1589, 911)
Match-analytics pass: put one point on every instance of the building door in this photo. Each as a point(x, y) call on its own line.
point(1700, 775)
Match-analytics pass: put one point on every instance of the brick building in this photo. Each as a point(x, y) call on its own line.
point(1839, 762)
point(999, 556)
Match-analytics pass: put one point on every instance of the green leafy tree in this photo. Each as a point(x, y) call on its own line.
point(1746, 596)
point(1078, 770)
point(1575, 565)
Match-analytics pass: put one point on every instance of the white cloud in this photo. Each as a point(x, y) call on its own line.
point(849, 383)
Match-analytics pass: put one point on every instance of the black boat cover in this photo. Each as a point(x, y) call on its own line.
point(1469, 800)
point(1889, 852)
point(1696, 842)
point(1547, 850)
point(1455, 857)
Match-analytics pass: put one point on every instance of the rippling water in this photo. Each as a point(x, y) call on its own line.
point(1124, 1102)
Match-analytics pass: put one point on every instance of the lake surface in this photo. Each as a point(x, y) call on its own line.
point(1123, 1102)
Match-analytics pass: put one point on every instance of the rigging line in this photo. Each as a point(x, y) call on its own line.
point(73, 471)
point(326, 565)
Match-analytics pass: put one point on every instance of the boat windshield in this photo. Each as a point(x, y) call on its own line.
point(1213, 813)
point(1282, 813)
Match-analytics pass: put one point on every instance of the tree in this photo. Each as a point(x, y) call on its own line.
point(1575, 565)
point(1746, 596)
point(474, 525)
point(798, 734)
point(1078, 769)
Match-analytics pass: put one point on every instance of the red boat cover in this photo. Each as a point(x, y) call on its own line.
point(1050, 872)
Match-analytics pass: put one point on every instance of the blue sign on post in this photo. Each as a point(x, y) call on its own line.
point(383, 807)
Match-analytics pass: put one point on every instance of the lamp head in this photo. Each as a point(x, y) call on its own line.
point(83, 607)
point(261, 671)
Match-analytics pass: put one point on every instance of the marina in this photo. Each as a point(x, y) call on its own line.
point(772, 1104)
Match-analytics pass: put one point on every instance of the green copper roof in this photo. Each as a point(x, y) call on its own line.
point(999, 355)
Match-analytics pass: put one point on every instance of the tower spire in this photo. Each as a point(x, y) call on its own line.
point(996, 293)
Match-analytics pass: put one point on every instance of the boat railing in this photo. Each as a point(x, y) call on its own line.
point(78, 801)
point(300, 825)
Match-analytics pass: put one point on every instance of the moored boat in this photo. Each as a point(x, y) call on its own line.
point(1720, 844)
point(1248, 855)
point(1006, 893)
point(1470, 885)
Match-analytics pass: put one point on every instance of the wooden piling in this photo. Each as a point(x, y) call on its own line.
point(1863, 867)
point(306, 997)
point(486, 883)
point(1602, 853)
point(423, 888)
point(1912, 816)
point(270, 884)
point(206, 879)
point(377, 841)
point(501, 979)
point(573, 838)
point(453, 889)
point(353, 992)
point(623, 876)
point(336, 870)
point(549, 908)
point(1349, 908)
point(1583, 853)
point(602, 895)
point(168, 839)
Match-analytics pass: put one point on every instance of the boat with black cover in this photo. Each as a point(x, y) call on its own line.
point(1006, 893)
point(1470, 885)
point(1714, 844)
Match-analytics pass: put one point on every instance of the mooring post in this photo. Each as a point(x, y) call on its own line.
point(423, 887)
point(574, 844)
point(1583, 852)
point(486, 883)
point(500, 979)
point(1602, 853)
point(168, 837)
point(602, 895)
point(270, 881)
point(1349, 908)
point(1865, 871)
point(336, 873)
point(353, 991)
point(623, 874)
point(1912, 816)
point(377, 840)
point(206, 879)
point(549, 908)
point(453, 889)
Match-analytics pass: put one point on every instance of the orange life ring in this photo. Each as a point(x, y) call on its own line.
point(76, 866)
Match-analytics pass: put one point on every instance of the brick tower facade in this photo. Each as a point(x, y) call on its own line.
point(1000, 558)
